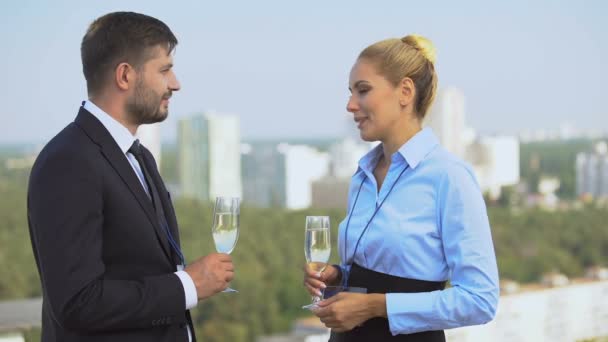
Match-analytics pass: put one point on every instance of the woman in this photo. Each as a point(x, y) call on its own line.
point(416, 217)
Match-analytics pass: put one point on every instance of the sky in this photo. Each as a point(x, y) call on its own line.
point(282, 66)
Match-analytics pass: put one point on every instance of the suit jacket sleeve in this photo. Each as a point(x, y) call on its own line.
point(65, 210)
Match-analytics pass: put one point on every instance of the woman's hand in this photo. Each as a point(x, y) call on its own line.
point(345, 311)
point(315, 281)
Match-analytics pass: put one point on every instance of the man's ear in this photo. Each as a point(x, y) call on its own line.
point(124, 76)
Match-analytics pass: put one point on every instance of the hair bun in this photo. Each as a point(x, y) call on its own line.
point(422, 44)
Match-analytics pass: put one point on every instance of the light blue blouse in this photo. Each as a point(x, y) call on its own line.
point(433, 226)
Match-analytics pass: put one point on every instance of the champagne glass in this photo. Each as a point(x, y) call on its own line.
point(317, 247)
point(225, 227)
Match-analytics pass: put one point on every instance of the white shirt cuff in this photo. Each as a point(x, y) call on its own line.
point(189, 289)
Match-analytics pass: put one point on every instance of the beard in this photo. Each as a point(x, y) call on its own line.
point(144, 107)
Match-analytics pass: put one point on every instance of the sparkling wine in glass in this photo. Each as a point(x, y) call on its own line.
point(225, 227)
point(317, 247)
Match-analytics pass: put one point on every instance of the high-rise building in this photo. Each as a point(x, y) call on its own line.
point(263, 169)
point(592, 172)
point(209, 156)
point(149, 136)
point(603, 188)
point(281, 175)
point(447, 119)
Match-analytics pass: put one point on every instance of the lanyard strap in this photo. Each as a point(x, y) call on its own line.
point(368, 222)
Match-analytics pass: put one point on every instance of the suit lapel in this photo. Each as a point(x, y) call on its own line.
point(97, 132)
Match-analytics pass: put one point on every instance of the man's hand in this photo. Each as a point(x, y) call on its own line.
point(345, 311)
point(315, 281)
point(211, 274)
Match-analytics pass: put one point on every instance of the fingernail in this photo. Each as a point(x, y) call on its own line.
point(323, 286)
point(319, 293)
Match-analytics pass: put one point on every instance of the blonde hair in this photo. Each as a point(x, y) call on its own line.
point(412, 56)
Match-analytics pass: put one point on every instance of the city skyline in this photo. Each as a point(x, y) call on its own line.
point(283, 68)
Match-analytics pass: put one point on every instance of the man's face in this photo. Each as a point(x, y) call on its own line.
point(155, 84)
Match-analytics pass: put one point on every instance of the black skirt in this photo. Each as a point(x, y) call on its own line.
point(377, 329)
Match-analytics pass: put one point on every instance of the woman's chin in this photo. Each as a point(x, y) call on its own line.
point(367, 136)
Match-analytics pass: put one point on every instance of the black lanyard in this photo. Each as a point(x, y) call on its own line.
point(368, 222)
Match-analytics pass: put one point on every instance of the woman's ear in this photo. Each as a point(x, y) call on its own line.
point(407, 92)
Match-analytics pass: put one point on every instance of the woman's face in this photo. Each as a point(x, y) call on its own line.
point(374, 102)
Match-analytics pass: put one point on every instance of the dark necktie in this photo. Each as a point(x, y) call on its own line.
point(136, 150)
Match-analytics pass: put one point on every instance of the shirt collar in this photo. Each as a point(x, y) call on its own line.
point(368, 162)
point(413, 151)
point(120, 133)
point(419, 146)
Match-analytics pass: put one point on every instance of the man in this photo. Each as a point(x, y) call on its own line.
point(102, 225)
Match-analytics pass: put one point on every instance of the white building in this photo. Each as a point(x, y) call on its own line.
point(331, 191)
point(149, 136)
point(345, 156)
point(303, 166)
point(573, 312)
point(210, 156)
point(495, 161)
point(447, 119)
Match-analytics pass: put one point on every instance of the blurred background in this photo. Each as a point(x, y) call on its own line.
point(261, 115)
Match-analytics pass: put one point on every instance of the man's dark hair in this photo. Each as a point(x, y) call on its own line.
point(121, 37)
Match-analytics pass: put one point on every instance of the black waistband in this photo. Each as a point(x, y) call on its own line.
point(377, 329)
point(377, 282)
